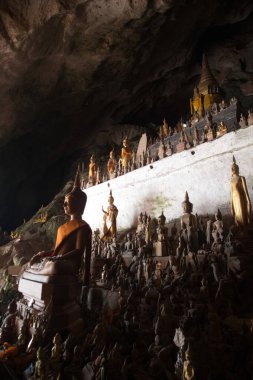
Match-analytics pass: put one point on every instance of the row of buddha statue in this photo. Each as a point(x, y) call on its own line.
point(171, 140)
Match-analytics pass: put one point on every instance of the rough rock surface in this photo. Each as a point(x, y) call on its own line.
point(72, 68)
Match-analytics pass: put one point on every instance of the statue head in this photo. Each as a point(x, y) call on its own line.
point(110, 199)
point(75, 201)
point(235, 167)
point(112, 154)
point(187, 205)
point(218, 215)
point(161, 219)
point(92, 159)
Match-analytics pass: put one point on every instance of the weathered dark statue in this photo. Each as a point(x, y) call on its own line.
point(73, 239)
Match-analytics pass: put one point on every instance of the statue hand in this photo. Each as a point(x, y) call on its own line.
point(54, 258)
point(36, 258)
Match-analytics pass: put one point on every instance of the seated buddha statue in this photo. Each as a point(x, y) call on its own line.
point(73, 239)
point(126, 154)
point(222, 129)
point(112, 165)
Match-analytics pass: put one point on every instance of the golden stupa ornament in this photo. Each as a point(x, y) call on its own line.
point(206, 93)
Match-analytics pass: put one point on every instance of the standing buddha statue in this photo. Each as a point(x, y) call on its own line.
point(126, 154)
point(92, 171)
point(112, 165)
point(110, 220)
point(240, 200)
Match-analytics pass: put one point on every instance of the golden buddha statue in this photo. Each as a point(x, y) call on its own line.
point(239, 196)
point(110, 220)
point(126, 154)
point(92, 171)
point(222, 129)
point(73, 239)
point(188, 368)
point(112, 165)
point(196, 103)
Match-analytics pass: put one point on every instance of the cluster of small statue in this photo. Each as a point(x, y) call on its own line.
point(183, 306)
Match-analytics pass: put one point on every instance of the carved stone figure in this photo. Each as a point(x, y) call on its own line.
point(240, 200)
point(110, 220)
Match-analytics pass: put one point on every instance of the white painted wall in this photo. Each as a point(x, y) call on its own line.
point(205, 175)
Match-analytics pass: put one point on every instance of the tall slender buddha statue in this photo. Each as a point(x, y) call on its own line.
point(112, 165)
point(126, 154)
point(240, 200)
point(110, 220)
point(73, 239)
point(93, 168)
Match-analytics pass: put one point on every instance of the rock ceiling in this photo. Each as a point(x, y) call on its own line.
point(72, 71)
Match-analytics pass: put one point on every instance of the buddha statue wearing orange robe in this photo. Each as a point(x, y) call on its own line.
point(73, 239)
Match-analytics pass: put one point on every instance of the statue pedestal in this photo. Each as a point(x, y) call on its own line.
point(160, 249)
point(56, 294)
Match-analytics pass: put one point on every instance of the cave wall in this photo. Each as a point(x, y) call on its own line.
point(161, 186)
point(70, 69)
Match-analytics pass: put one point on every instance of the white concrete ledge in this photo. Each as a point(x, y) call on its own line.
point(204, 171)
